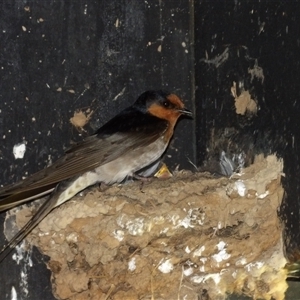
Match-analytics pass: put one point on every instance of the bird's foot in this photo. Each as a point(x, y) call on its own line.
point(141, 178)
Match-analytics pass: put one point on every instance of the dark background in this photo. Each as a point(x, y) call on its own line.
point(58, 57)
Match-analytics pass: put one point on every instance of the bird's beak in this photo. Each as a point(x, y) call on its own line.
point(185, 112)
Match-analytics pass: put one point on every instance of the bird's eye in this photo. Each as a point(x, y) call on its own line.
point(166, 104)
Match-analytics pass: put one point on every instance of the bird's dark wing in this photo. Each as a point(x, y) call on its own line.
point(128, 130)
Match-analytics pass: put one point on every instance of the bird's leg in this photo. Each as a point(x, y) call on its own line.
point(141, 178)
point(102, 187)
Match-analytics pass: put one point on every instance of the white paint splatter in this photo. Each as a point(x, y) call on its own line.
point(166, 266)
point(19, 150)
point(131, 264)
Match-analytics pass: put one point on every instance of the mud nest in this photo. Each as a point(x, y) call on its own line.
point(179, 238)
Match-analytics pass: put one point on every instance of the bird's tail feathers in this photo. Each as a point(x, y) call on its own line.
point(42, 212)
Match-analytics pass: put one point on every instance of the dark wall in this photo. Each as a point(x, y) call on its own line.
point(59, 57)
point(257, 45)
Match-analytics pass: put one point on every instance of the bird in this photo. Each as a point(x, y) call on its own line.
point(135, 138)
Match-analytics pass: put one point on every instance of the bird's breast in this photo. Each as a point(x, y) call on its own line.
point(130, 162)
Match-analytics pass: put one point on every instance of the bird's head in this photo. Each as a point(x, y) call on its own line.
point(162, 104)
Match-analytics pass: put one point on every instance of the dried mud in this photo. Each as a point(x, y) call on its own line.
point(192, 236)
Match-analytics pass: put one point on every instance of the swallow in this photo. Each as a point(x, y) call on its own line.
point(132, 140)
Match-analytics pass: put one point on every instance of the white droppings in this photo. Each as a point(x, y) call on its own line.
point(164, 231)
point(263, 195)
point(19, 150)
point(198, 279)
point(183, 44)
point(241, 262)
point(119, 235)
point(189, 220)
point(203, 260)
point(240, 188)
point(257, 265)
point(24, 281)
point(189, 271)
point(221, 245)
point(199, 251)
point(43, 233)
point(173, 219)
point(187, 249)
point(166, 266)
point(216, 277)
point(72, 237)
point(186, 223)
point(23, 258)
point(222, 255)
point(136, 226)
point(131, 264)
point(14, 295)
point(21, 254)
